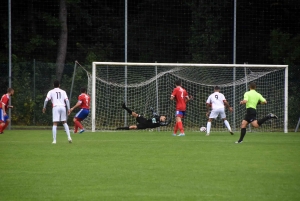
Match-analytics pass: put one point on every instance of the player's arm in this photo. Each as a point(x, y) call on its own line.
point(227, 105)
point(262, 100)
point(3, 108)
point(208, 108)
point(166, 122)
point(75, 106)
point(154, 114)
point(245, 99)
point(188, 98)
point(173, 95)
point(45, 104)
point(8, 106)
point(68, 104)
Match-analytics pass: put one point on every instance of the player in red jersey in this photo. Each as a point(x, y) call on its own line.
point(181, 97)
point(4, 118)
point(84, 104)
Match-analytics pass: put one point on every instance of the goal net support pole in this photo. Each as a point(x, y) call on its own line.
point(108, 90)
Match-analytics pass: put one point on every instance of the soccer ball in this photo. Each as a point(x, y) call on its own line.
point(203, 129)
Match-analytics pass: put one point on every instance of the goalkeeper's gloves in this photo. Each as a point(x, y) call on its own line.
point(165, 123)
point(154, 114)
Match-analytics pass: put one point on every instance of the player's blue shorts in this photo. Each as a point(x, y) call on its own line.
point(82, 114)
point(180, 114)
point(2, 117)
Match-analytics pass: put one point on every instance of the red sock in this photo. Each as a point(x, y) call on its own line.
point(75, 128)
point(175, 128)
point(78, 124)
point(4, 127)
point(180, 126)
point(1, 127)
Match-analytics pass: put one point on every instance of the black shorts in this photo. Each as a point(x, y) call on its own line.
point(250, 115)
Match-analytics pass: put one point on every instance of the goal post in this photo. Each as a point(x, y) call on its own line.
point(145, 85)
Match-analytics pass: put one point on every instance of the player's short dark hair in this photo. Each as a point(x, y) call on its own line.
point(56, 83)
point(252, 85)
point(217, 88)
point(82, 89)
point(9, 90)
point(178, 82)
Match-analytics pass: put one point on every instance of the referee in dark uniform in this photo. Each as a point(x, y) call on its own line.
point(251, 99)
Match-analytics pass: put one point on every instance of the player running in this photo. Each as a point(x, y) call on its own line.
point(217, 102)
point(181, 97)
point(4, 118)
point(251, 99)
point(84, 104)
point(143, 123)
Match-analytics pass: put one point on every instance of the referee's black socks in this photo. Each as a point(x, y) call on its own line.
point(243, 133)
point(263, 120)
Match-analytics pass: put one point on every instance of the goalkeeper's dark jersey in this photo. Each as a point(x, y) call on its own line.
point(144, 123)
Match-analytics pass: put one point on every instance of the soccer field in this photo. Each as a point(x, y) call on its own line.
point(142, 165)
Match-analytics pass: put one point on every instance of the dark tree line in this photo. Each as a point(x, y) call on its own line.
point(192, 31)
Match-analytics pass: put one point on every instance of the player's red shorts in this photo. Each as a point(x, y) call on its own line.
point(180, 114)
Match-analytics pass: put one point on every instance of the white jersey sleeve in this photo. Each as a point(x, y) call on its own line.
point(57, 97)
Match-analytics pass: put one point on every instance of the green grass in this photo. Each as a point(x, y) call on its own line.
point(149, 166)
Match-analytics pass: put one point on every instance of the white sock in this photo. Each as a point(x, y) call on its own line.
point(227, 125)
point(54, 132)
point(208, 127)
point(67, 130)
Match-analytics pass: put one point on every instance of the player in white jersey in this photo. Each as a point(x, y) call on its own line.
point(216, 102)
point(59, 101)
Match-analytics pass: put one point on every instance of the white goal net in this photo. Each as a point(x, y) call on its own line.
point(145, 85)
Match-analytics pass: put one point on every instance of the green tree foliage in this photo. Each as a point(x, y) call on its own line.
point(208, 31)
point(285, 49)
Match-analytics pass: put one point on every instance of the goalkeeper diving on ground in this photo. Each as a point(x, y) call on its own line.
point(143, 123)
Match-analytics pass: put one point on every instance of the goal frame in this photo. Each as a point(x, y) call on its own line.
point(233, 66)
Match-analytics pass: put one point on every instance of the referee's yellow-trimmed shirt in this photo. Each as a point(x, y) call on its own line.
point(252, 97)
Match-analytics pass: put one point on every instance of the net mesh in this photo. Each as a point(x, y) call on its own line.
point(150, 86)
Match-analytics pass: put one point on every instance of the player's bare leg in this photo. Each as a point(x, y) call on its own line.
point(134, 114)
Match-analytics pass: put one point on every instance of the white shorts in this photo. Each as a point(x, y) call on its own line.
point(215, 113)
point(59, 114)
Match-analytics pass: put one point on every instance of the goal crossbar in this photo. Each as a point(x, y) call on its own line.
point(187, 65)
